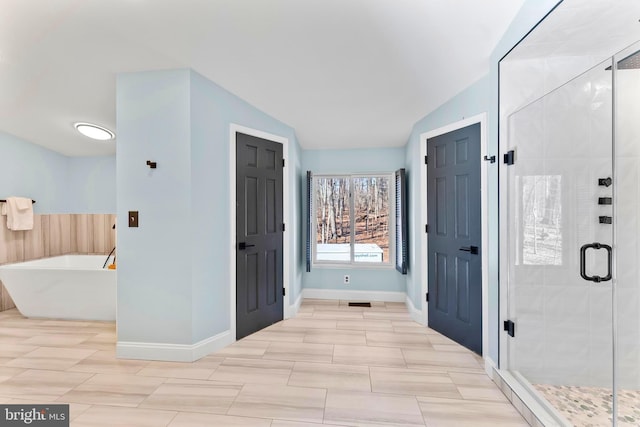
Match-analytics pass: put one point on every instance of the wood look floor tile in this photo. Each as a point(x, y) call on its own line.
point(470, 379)
point(35, 382)
point(464, 413)
point(7, 372)
point(110, 416)
point(426, 358)
point(299, 352)
point(244, 349)
point(365, 325)
point(482, 393)
point(307, 323)
point(281, 402)
point(387, 315)
point(334, 336)
point(278, 334)
point(116, 390)
point(253, 371)
point(283, 423)
point(358, 408)
point(175, 370)
point(52, 358)
point(193, 396)
point(331, 365)
point(330, 376)
point(190, 419)
point(395, 339)
point(336, 315)
point(368, 356)
point(105, 362)
point(413, 382)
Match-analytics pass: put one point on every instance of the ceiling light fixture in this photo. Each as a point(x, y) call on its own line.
point(94, 131)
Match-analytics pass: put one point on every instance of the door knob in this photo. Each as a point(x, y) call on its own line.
point(472, 249)
point(243, 245)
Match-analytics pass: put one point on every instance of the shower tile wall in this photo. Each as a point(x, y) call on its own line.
point(54, 235)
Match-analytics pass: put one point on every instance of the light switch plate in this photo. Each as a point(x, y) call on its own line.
point(133, 218)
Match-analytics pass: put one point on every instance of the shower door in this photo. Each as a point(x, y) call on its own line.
point(560, 238)
point(627, 234)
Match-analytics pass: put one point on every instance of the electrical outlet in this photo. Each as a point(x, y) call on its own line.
point(347, 279)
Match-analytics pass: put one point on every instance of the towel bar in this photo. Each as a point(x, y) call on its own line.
point(4, 201)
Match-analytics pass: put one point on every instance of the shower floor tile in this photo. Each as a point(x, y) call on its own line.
point(591, 406)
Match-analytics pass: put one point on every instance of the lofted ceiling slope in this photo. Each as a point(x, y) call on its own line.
point(343, 73)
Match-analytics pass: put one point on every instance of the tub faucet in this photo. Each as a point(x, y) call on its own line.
point(109, 256)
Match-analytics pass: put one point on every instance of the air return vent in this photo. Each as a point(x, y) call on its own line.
point(359, 304)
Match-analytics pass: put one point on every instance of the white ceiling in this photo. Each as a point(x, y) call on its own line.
point(343, 73)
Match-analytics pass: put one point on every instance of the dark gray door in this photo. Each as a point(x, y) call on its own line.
point(454, 236)
point(259, 282)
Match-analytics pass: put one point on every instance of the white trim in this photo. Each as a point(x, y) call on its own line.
point(173, 352)
point(416, 314)
point(484, 213)
point(295, 307)
point(233, 130)
point(341, 294)
point(489, 366)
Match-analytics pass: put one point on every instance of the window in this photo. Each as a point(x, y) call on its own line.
point(351, 219)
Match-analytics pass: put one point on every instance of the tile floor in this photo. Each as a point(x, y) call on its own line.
point(591, 406)
point(332, 365)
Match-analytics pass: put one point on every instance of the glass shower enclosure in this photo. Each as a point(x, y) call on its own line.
point(572, 244)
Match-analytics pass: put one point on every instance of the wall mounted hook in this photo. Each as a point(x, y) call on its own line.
point(151, 164)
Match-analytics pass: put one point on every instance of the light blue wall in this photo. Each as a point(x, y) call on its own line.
point(57, 183)
point(470, 102)
point(174, 270)
point(213, 109)
point(154, 260)
point(92, 185)
point(352, 161)
point(480, 97)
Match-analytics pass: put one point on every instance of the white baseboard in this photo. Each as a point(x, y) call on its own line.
point(489, 366)
point(343, 294)
point(173, 352)
point(416, 314)
point(295, 307)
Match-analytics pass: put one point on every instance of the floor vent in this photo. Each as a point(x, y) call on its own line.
point(359, 304)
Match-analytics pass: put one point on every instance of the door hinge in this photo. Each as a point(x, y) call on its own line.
point(427, 297)
point(510, 327)
point(283, 162)
point(509, 157)
point(284, 292)
point(426, 162)
point(490, 159)
point(283, 227)
point(426, 228)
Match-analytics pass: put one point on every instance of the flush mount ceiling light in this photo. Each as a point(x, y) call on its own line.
point(94, 131)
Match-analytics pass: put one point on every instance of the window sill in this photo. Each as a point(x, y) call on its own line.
point(353, 266)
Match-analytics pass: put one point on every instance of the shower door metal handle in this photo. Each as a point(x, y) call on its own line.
point(583, 262)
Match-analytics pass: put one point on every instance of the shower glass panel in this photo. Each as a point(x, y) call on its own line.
point(627, 228)
point(560, 234)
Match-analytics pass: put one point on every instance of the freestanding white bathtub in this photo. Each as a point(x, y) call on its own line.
point(63, 287)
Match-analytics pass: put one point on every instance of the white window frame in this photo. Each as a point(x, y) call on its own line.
point(389, 263)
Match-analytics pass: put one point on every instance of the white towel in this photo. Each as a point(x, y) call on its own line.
point(19, 213)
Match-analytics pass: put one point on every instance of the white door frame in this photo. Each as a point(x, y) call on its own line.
point(482, 119)
point(234, 129)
